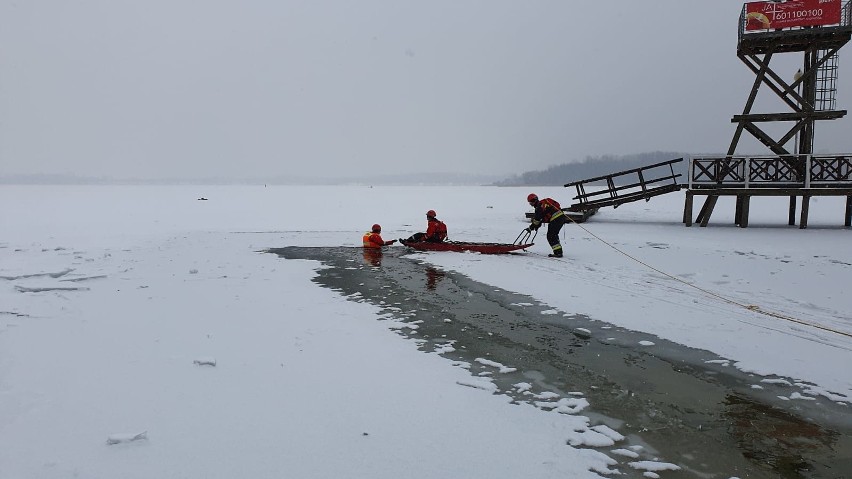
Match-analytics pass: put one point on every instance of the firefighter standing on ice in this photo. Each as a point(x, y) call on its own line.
point(548, 211)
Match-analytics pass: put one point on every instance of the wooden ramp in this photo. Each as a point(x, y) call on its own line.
point(625, 186)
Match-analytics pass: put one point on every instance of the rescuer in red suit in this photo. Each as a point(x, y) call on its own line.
point(548, 211)
point(436, 230)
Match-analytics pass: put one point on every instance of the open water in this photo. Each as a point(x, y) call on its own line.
point(705, 417)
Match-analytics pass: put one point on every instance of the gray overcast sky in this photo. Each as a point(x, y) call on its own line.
point(215, 88)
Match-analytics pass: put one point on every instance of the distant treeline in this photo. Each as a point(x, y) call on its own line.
point(421, 179)
point(591, 167)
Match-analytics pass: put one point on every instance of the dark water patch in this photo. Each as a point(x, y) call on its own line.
point(708, 417)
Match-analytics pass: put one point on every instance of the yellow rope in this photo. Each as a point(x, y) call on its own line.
point(750, 307)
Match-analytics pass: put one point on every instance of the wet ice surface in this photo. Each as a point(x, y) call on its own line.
point(652, 403)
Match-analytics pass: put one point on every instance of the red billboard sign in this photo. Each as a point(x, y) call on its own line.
point(791, 13)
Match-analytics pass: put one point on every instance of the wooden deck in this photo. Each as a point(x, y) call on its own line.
point(793, 176)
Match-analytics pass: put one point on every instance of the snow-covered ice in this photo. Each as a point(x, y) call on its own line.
point(114, 298)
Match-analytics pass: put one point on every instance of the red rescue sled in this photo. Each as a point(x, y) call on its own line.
point(461, 246)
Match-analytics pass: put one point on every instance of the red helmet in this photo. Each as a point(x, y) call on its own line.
point(377, 228)
point(431, 214)
point(532, 197)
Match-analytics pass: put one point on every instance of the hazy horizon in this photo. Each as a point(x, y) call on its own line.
point(338, 90)
point(436, 178)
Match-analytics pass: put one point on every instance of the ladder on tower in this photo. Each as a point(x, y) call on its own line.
point(826, 83)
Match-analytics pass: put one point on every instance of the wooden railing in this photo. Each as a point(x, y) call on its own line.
point(800, 171)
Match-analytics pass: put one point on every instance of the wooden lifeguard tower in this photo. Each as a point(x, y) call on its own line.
point(817, 29)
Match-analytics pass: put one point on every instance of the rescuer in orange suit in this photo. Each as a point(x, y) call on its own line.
point(548, 211)
point(436, 230)
point(373, 238)
point(373, 244)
